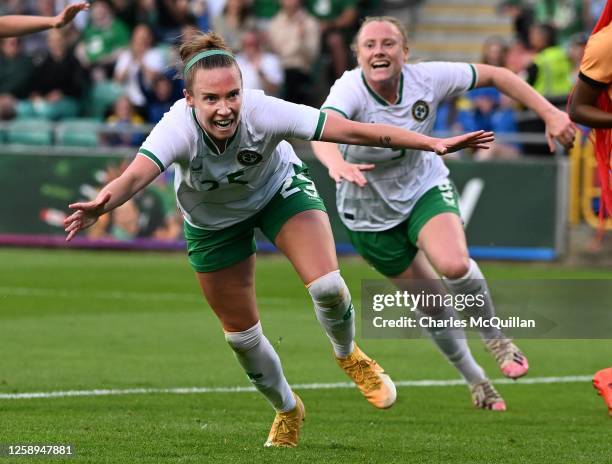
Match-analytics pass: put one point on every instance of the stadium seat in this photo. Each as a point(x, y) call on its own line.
point(30, 132)
point(102, 96)
point(78, 132)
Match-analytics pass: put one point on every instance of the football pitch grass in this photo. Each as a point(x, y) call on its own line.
point(85, 321)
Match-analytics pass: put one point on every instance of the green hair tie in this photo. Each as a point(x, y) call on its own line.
point(203, 55)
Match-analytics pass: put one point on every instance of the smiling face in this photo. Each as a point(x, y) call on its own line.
point(216, 94)
point(381, 51)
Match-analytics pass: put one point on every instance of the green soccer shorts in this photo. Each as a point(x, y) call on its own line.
point(391, 251)
point(212, 250)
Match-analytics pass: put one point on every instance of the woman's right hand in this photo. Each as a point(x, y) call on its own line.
point(86, 214)
point(350, 172)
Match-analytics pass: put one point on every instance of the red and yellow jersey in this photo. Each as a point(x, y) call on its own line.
point(596, 66)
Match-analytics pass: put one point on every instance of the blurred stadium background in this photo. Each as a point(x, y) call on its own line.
point(74, 106)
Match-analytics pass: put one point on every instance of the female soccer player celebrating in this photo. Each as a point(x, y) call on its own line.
point(235, 172)
point(407, 203)
point(591, 105)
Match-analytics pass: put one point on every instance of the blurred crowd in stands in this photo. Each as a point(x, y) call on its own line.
point(546, 50)
point(117, 62)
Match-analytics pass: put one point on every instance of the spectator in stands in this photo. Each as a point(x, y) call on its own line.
point(123, 118)
point(134, 12)
point(338, 19)
point(58, 83)
point(594, 11)
point(567, 16)
point(160, 98)
point(146, 13)
point(486, 112)
point(575, 51)
point(294, 36)
point(15, 75)
point(173, 15)
point(103, 40)
point(264, 11)
point(550, 71)
point(260, 69)
point(139, 58)
point(214, 9)
point(231, 24)
point(15, 25)
point(494, 51)
point(521, 13)
point(405, 11)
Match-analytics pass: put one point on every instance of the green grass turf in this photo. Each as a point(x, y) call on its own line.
point(82, 320)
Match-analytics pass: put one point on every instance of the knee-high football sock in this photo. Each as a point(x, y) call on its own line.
point(262, 365)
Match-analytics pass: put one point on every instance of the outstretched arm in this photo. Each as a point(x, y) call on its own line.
point(584, 109)
point(340, 130)
point(138, 175)
point(558, 124)
point(15, 25)
point(329, 155)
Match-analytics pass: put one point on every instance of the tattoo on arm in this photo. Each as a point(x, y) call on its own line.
point(385, 141)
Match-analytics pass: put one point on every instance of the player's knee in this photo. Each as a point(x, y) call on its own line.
point(245, 340)
point(329, 290)
point(453, 267)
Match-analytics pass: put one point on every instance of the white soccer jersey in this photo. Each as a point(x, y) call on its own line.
point(215, 190)
point(400, 176)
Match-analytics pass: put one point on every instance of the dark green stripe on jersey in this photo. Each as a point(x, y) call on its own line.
point(474, 76)
point(320, 125)
point(153, 158)
point(337, 110)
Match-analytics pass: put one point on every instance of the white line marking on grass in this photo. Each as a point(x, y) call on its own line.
point(119, 295)
point(303, 386)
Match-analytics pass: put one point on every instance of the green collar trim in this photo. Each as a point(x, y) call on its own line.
point(208, 139)
point(380, 99)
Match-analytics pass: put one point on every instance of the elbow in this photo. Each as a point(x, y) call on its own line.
point(500, 75)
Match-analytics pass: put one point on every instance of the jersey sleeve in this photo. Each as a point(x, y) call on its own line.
point(343, 98)
point(451, 79)
point(169, 141)
point(596, 66)
point(283, 119)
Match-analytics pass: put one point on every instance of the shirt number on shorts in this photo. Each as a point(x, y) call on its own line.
point(304, 184)
point(448, 195)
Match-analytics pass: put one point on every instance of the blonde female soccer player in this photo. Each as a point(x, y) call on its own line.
point(235, 172)
point(407, 203)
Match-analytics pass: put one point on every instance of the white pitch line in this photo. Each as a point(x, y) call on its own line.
point(304, 386)
point(117, 295)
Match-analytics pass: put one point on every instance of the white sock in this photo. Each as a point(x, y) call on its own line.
point(453, 345)
point(474, 283)
point(262, 365)
point(334, 310)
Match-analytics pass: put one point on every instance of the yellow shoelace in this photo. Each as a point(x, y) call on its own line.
point(362, 372)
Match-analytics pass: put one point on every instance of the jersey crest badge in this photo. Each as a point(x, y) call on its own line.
point(249, 157)
point(420, 110)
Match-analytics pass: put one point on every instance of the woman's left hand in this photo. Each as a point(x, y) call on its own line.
point(477, 140)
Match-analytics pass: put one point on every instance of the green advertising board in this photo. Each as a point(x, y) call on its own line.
point(511, 210)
